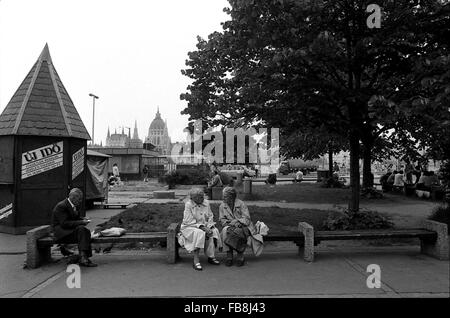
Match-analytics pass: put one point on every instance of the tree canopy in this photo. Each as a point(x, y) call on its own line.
point(316, 66)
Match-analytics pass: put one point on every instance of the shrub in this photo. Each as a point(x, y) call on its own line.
point(361, 220)
point(371, 193)
point(332, 183)
point(186, 177)
point(441, 214)
point(445, 170)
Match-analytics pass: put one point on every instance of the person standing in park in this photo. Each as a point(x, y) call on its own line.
point(198, 230)
point(145, 171)
point(336, 167)
point(409, 170)
point(115, 171)
point(69, 227)
point(216, 181)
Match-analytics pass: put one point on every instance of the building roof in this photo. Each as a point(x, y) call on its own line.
point(41, 105)
point(92, 153)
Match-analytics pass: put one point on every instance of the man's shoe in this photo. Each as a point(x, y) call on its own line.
point(213, 261)
point(65, 251)
point(87, 263)
point(73, 259)
point(228, 262)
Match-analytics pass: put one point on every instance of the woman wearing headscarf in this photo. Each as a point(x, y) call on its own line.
point(237, 228)
point(198, 228)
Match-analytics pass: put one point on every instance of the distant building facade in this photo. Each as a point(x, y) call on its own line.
point(123, 140)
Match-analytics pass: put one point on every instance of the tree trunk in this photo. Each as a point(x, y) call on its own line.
point(330, 158)
point(353, 205)
point(367, 162)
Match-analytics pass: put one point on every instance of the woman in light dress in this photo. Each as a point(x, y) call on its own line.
point(198, 229)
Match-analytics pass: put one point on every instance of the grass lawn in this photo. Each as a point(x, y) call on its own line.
point(153, 217)
point(313, 193)
point(307, 192)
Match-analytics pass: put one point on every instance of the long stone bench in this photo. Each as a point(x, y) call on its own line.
point(286, 236)
point(40, 241)
point(433, 237)
point(305, 179)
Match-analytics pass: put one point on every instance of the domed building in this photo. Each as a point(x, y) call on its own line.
point(158, 135)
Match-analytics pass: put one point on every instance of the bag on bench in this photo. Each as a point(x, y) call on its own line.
point(237, 238)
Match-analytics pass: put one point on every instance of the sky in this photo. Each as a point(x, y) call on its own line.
point(128, 53)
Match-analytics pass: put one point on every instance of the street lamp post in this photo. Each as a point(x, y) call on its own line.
point(94, 97)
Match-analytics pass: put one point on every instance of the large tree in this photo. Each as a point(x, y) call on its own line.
point(308, 65)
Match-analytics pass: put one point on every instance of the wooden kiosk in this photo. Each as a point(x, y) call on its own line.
point(42, 149)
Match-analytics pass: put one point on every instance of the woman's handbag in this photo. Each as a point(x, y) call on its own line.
point(237, 238)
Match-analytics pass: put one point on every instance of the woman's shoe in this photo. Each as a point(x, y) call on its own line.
point(197, 267)
point(240, 262)
point(229, 260)
point(213, 261)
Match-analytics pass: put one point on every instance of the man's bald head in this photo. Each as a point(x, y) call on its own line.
point(76, 196)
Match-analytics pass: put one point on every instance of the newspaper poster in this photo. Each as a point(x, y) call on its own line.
point(42, 159)
point(77, 163)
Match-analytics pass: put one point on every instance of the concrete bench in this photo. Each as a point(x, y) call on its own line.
point(164, 194)
point(287, 236)
point(40, 241)
point(433, 238)
point(305, 179)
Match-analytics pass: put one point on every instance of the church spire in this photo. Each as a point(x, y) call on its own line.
point(109, 134)
point(135, 132)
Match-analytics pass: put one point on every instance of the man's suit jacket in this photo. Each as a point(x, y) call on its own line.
point(64, 219)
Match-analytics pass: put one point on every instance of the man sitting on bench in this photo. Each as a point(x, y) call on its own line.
point(69, 227)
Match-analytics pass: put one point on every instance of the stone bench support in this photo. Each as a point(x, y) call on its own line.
point(37, 255)
point(439, 248)
point(308, 247)
point(172, 243)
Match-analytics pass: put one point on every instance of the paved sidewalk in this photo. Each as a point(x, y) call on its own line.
point(276, 273)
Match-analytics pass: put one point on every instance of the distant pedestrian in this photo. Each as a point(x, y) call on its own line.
point(336, 167)
point(145, 171)
point(298, 176)
point(115, 171)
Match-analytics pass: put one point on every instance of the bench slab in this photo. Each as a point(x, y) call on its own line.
point(126, 238)
point(374, 234)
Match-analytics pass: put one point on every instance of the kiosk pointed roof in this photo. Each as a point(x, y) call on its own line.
point(41, 105)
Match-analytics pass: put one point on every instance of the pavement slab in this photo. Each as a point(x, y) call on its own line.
point(335, 273)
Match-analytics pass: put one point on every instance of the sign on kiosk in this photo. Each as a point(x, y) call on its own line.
point(42, 159)
point(77, 163)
